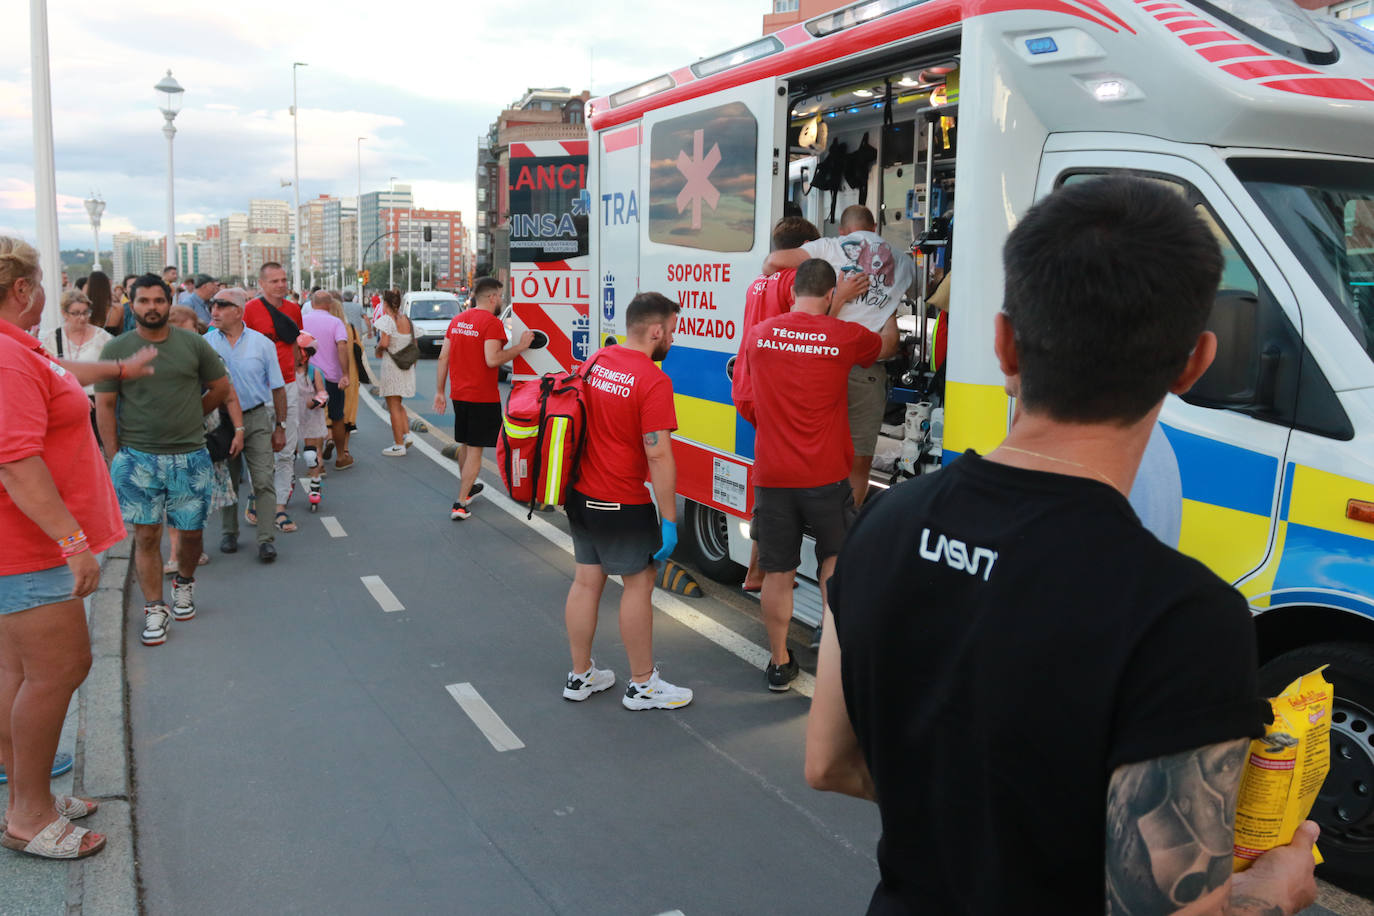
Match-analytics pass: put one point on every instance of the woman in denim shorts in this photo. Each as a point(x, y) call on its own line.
point(57, 510)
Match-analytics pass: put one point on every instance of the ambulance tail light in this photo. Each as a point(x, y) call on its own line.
point(1360, 510)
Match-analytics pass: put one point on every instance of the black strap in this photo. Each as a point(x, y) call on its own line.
point(284, 329)
point(60, 355)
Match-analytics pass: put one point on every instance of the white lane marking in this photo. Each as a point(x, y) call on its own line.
point(484, 717)
point(385, 597)
point(668, 603)
point(331, 524)
point(673, 913)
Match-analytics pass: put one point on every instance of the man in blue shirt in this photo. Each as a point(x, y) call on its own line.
point(199, 298)
point(253, 368)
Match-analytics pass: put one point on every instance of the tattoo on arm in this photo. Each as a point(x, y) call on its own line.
point(1170, 829)
point(651, 439)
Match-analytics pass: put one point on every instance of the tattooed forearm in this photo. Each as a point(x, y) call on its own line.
point(1252, 906)
point(1170, 828)
point(651, 439)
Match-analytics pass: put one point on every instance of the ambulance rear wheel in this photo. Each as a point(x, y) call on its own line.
point(707, 537)
point(1345, 805)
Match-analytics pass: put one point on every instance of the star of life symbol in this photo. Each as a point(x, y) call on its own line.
point(696, 170)
point(582, 203)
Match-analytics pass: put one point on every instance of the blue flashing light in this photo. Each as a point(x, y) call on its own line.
point(1043, 45)
point(853, 111)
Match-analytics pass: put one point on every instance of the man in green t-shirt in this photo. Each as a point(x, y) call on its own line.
point(153, 434)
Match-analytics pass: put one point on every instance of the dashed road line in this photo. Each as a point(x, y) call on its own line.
point(732, 642)
point(331, 524)
point(385, 597)
point(484, 717)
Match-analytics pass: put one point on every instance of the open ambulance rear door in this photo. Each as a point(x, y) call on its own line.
point(549, 208)
point(686, 195)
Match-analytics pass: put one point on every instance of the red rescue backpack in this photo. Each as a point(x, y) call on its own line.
point(542, 436)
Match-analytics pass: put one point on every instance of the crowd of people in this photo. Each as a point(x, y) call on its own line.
point(1020, 728)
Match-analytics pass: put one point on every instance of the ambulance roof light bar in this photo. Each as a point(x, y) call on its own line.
point(642, 90)
point(856, 14)
point(735, 56)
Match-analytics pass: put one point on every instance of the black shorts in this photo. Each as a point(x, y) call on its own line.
point(336, 400)
point(781, 513)
point(477, 423)
point(621, 538)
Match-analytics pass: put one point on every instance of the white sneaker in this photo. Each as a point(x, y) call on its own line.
point(183, 599)
point(156, 619)
point(394, 451)
point(656, 694)
point(409, 439)
point(593, 680)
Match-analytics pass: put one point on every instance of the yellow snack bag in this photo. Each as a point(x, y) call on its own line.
point(1285, 769)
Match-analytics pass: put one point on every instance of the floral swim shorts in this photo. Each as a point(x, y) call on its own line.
point(150, 485)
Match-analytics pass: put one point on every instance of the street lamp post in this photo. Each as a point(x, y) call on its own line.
point(243, 251)
point(391, 255)
point(94, 207)
point(296, 183)
point(358, 218)
point(169, 101)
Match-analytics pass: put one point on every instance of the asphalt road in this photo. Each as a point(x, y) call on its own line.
point(310, 744)
point(298, 748)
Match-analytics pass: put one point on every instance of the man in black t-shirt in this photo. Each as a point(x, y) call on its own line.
point(1051, 707)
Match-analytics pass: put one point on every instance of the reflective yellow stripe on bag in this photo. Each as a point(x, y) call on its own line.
point(520, 432)
point(558, 433)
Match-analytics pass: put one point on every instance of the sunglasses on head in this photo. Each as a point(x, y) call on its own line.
point(224, 302)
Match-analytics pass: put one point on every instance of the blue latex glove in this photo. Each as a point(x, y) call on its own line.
point(669, 534)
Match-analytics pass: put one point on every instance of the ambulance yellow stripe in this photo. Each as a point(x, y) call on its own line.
point(975, 417)
point(1262, 583)
point(1230, 542)
point(708, 422)
point(1319, 499)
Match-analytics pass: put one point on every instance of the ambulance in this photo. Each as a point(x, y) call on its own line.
point(948, 119)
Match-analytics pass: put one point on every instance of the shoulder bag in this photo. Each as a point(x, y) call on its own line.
point(408, 355)
point(219, 438)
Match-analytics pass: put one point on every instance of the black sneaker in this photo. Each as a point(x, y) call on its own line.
point(229, 543)
point(780, 677)
point(477, 487)
point(266, 552)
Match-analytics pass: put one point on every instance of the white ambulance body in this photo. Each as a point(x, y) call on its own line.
point(1259, 115)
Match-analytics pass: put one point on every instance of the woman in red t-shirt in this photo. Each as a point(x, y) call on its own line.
point(57, 510)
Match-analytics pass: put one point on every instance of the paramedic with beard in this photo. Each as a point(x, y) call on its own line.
point(795, 368)
point(615, 531)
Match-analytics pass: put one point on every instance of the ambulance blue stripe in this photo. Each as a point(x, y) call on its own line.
point(744, 437)
point(1287, 491)
point(1324, 599)
point(699, 373)
point(1317, 559)
point(1224, 475)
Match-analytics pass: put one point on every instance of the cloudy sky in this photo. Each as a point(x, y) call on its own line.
point(420, 79)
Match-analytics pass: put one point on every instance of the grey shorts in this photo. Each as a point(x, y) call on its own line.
point(621, 538)
point(781, 514)
point(867, 403)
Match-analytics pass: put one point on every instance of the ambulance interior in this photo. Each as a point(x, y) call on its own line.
point(888, 139)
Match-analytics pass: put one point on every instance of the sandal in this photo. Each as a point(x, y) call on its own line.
point(284, 523)
point(50, 843)
point(251, 513)
point(344, 462)
point(74, 807)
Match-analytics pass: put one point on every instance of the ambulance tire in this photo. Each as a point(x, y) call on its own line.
point(1345, 805)
point(706, 539)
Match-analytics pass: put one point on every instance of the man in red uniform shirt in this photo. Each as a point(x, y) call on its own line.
point(630, 420)
point(799, 364)
point(769, 295)
point(470, 361)
point(273, 314)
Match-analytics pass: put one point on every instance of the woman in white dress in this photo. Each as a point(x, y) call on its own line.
point(395, 332)
point(76, 338)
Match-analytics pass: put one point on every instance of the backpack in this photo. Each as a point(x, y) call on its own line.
point(542, 437)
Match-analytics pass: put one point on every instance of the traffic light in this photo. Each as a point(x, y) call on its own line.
point(365, 276)
point(428, 235)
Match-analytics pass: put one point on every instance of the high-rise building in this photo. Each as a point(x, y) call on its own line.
point(211, 257)
point(233, 229)
point(269, 214)
point(540, 114)
point(134, 254)
point(314, 219)
point(370, 207)
point(443, 255)
point(348, 239)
